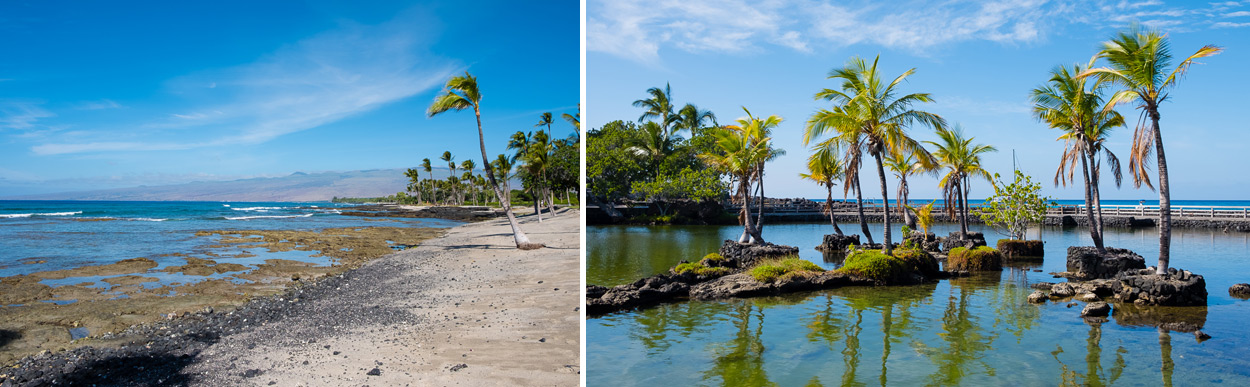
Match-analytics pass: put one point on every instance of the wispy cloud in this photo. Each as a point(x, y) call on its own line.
point(322, 79)
point(641, 30)
point(99, 105)
point(21, 114)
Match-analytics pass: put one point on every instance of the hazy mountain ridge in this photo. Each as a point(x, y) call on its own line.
point(298, 186)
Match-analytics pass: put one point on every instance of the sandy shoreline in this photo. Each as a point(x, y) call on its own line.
point(464, 308)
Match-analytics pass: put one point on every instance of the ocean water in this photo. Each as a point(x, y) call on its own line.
point(71, 234)
point(977, 331)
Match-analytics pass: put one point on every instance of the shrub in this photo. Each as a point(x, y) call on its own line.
point(769, 271)
point(699, 269)
point(983, 258)
point(917, 260)
point(1011, 248)
point(874, 264)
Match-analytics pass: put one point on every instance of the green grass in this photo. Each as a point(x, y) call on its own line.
point(874, 264)
point(699, 269)
point(917, 260)
point(771, 270)
point(983, 258)
point(714, 257)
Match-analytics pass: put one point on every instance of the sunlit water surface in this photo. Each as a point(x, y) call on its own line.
point(969, 331)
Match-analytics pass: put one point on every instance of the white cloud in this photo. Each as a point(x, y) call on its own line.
point(1237, 14)
point(639, 30)
point(99, 105)
point(319, 80)
point(1229, 25)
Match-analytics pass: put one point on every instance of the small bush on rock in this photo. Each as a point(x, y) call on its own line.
point(983, 258)
point(769, 271)
point(875, 265)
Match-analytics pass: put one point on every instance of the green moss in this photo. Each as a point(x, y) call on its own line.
point(874, 264)
point(917, 260)
point(982, 258)
point(769, 271)
point(699, 269)
point(715, 257)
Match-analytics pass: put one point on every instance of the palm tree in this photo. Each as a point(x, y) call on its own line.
point(540, 155)
point(962, 161)
point(468, 166)
point(660, 106)
point(877, 115)
point(461, 93)
point(429, 169)
point(903, 167)
point(503, 166)
point(738, 153)
point(1066, 104)
point(691, 118)
point(1138, 65)
point(651, 144)
point(575, 119)
point(824, 168)
point(414, 182)
point(451, 167)
point(521, 142)
point(762, 134)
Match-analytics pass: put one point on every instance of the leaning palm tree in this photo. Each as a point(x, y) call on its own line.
point(962, 161)
point(659, 106)
point(903, 167)
point(461, 93)
point(1138, 65)
point(737, 153)
point(824, 168)
point(1065, 103)
point(882, 118)
point(429, 169)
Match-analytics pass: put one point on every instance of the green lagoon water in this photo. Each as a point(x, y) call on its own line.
point(968, 331)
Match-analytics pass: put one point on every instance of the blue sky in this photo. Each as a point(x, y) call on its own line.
point(98, 95)
point(979, 59)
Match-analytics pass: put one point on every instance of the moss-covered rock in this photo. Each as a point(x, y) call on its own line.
point(877, 266)
point(982, 258)
point(771, 270)
point(700, 270)
point(1015, 248)
point(918, 261)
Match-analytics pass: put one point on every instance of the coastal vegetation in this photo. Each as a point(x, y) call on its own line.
point(1014, 206)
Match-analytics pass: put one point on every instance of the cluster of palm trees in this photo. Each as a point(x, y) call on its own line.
point(1138, 69)
point(538, 152)
point(741, 151)
point(466, 188)
point(870, 116)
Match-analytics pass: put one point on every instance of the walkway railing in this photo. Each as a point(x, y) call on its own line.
point(1145, 211)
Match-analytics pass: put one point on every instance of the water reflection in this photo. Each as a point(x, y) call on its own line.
point(978, 330)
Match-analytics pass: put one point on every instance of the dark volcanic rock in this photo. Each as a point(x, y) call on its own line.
point(835, 242)
point(1241, 291)
point(646, 291)
point(746, 255)
point(1016, 249)
point(1180, 319)
point(1175, 288)
point(955, 239)
point(1037, 297)
point(1084, 262)
point(743, 285)
point(1096, 309)
point(925, 241)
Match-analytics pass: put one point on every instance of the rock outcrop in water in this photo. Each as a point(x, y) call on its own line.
point(1174, 288)
point(835, 242)
point(1085, 263)
point(955, 239)
point(1240, 291)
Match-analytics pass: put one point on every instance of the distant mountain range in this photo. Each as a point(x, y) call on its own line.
point(296, 187)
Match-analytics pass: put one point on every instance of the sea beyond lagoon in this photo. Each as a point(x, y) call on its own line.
point(40, 236)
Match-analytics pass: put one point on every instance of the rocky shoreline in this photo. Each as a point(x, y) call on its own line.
point(392, 321)
point(460, 213)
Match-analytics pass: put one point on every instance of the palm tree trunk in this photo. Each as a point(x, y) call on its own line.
point(759, 220)
point(744, 187)
point(967, 185)
point(1095, 176)
point(829, 207)
point(885, 201)
point(908, 218)
point(1089, 206)
point(859, 203)
point(518, 236)
point(551, 201)
point(959, 206)
point(1165, 199)
point(537, 211)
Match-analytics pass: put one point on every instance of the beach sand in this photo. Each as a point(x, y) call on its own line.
point(467, 308)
